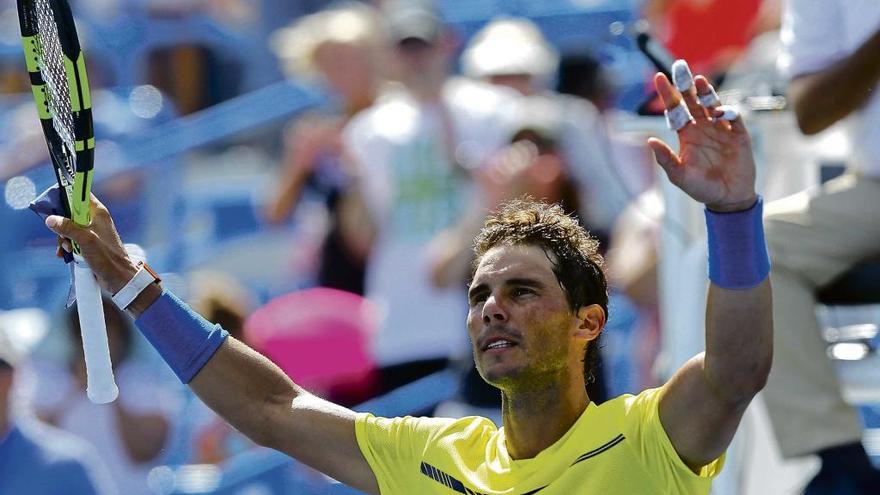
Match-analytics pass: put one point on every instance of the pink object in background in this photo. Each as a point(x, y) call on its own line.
point(321, 338)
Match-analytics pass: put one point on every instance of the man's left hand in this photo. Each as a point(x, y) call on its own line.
point(714, 165)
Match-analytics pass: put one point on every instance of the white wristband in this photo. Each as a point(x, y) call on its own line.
point(141, 280)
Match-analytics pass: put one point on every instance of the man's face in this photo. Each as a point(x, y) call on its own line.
point(520, 324)
point(418, 62)
point(348, 68)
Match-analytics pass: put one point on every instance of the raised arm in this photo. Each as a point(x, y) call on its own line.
point(703, 403)
point(241, 385)
point(822, 98)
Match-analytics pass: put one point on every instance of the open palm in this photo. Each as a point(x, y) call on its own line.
point(715, 165)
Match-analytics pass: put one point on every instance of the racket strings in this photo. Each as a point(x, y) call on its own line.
point(55, 76)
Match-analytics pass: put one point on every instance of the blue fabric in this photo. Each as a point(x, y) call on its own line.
point(184, 339)
point(39, 460)
point(49, 203)
point(738, 257)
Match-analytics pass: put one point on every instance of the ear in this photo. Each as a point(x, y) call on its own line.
point(591, 322)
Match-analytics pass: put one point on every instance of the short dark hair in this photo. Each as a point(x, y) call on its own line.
point(577, 264)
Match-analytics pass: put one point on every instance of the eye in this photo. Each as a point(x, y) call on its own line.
point(521, 291)
point(477, 298)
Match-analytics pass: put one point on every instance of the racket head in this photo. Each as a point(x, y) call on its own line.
point(60, 87)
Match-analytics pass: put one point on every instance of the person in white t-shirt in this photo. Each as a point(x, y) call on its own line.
point(416, 150)
point(831, 54)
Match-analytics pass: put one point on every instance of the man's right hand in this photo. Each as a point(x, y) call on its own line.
point(101, 246)
point(243, 387)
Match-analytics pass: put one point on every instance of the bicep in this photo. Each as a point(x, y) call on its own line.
point(322, 435)
point(699, 422)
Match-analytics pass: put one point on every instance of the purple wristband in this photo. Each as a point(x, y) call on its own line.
point(738, 256)
point(184, 339)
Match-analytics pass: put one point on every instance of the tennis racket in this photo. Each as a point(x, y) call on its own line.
point(60, 86)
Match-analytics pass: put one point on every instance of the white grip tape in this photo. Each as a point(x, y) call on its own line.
point(101, 386)
point(682, 76)
point(678, 116)
point(710, 99)
point(728, 113)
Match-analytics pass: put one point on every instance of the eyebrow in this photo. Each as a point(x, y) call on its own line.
point(522, 282)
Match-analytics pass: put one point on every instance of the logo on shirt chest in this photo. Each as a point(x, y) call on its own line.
point(456, 485)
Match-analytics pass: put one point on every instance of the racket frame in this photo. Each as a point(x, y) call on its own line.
point(73, 171)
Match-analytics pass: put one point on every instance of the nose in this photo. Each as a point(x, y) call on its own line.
point(493, 312)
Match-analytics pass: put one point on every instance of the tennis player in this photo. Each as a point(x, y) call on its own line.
point(538, 300)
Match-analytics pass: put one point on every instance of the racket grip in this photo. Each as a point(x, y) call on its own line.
point(101, 387)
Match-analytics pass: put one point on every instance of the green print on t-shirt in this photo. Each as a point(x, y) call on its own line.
point(427, 191)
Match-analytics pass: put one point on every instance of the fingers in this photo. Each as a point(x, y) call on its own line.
point(677, 114)
point(732, 116)
point(65, 227)
point(667, 159)
point(706, 94)
point(709, 99)
point(97, 208)
point(684, 83)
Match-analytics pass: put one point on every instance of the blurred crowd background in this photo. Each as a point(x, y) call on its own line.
point(310, 174)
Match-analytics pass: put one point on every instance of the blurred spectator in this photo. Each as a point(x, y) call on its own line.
point(338, 47)
point(36, 459)
point(581, 74)
point(710, 34)
point(531, 165)
point(417, 150)
point(632, 262)
point(223, 301)
point(831, 53)
point(130, 433)
point(512, 52)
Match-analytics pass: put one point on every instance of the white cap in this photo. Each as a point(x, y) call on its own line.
point(509, 46)
point(295, 45)
point(20, 331)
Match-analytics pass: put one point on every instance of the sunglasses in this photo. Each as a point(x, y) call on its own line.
point(4, 365)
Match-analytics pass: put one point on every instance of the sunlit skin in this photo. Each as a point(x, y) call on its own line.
point(350, 69)
point(524, 84)
point(5, 387)
point(515, 296)
point(421, 66)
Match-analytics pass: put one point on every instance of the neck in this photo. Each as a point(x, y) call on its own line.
point(4, 421)
point(426, 91)
point(536, 418)
point(356, 103)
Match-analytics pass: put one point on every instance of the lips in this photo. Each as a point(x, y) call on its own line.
point(495, 342)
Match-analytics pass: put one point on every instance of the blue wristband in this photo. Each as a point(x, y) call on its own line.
point(738, 256)
point(184, 339)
